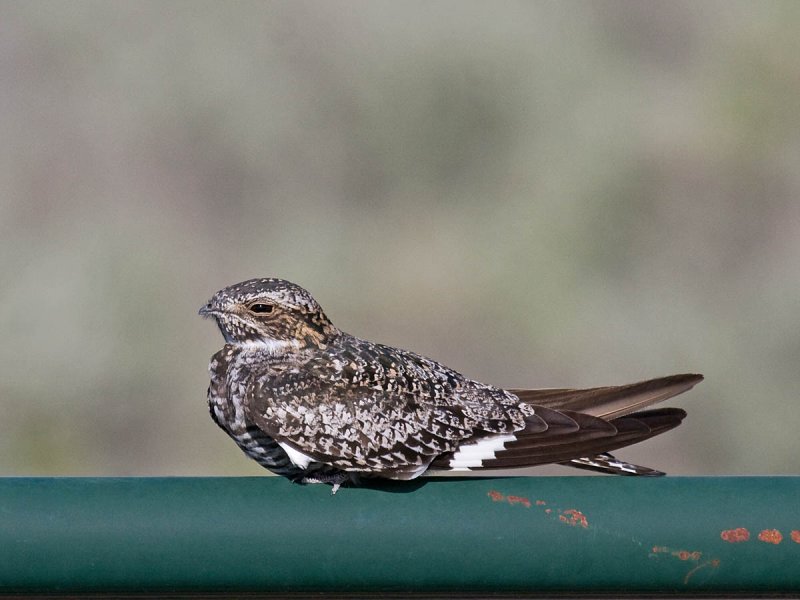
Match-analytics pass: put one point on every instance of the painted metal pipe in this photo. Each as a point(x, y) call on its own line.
point(524, 536)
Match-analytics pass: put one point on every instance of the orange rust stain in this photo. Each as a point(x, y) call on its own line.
point(770, 536)
point(679, 554)
point(686, 555)
point(734, 536)
point(496, 496)
point(519, 500)
point(499, 497)
point(574, 517)
point(709, 563)
point(795, 536)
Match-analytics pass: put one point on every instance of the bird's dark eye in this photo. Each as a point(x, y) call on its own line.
point(261, 308)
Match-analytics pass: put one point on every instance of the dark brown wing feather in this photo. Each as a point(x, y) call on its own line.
point(560, 444)
point(586, 427)
point(626, 431)
point(611, 402)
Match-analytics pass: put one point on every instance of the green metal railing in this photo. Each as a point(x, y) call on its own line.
point(512, 536)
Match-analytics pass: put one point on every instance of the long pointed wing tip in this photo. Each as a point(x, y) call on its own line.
point(690, 379)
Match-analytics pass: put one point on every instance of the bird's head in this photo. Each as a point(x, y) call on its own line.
point(271, 312)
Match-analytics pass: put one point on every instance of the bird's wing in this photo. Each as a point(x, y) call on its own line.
point(378, 410)
point(611, 402)
point(584, 443)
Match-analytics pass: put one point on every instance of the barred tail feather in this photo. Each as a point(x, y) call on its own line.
point(608, 463)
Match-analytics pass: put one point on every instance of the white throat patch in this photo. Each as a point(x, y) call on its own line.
point(271, 346)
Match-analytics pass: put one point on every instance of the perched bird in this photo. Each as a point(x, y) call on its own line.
point(318, 405)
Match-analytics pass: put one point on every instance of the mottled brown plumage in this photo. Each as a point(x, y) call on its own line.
point(315, 404)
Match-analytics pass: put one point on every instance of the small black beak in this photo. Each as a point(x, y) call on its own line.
point(206, 310)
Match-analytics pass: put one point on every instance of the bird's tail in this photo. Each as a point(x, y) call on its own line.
point(608, 463)
point(577, 428)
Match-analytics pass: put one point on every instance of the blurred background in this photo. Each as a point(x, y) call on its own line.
point(538, 194)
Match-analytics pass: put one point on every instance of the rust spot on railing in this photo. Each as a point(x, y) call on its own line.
point(734, 536)
point(496, 496)
point(679, 554)
point(770, 536)
point(686, 555)
point(500, 497)
point(519, 500)
point(574, 517)
point(709, 563)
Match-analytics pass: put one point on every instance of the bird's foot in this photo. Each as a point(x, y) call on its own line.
point(334, 479)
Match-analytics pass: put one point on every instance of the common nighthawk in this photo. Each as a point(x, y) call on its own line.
point(318, 405)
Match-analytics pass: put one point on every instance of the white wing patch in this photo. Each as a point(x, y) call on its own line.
point(298, 458)
point(474, 453)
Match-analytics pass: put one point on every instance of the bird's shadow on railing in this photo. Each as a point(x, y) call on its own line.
point(404, 487)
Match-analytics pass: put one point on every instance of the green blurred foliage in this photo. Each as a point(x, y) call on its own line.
point(535, 193)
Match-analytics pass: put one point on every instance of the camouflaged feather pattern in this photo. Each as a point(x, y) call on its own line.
point(315, 404)
point(366, 407)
